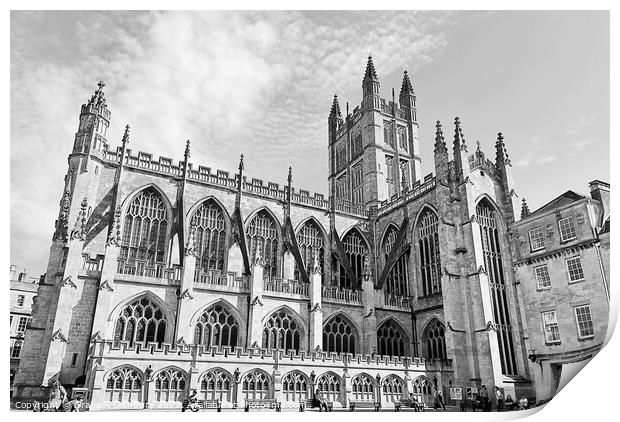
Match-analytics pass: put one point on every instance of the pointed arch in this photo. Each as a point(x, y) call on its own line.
point(389, 227)
point(263, 229)
point(330, 384)
point(267, 210)
point(492, 237)
point(124, 384)
point(392, 388)
point(146, 224)
point(311, 239)
point(434, 339)
point(340, 334)
point(284, 329)
point(169, 384)
point(397, 283)
point(426, 231)
point(392, 339)
point(356, 246)
point(216, 384)
point(211, 225)
point(363, 387)
point(218, 325)
point(127, 319)
point(426, 207)
point(422, 390)
point(256, 384)
point(218, 202)
point(296, 386)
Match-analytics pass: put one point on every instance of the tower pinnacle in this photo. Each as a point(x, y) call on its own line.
point(371, 73)
point(440, 143)
point(98, 98)
point(525, 209)
point(125, 139)
point(335, 110)
point(406, 87)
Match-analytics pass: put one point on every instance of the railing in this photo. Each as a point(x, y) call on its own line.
point(215, 278)
point(395, 301)
point(279, 285)
point(338, 295)
point(144, 269)
point(350, 208)
point(408, 194)
point(92, 266)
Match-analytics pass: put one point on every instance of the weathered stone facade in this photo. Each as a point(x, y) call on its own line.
point(238, 288)
point(562, 267)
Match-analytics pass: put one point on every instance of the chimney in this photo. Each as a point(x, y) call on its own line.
point(600, 191)
point(22, 276)
point(13, 270)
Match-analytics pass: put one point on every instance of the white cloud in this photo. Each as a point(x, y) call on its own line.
point(227, 81)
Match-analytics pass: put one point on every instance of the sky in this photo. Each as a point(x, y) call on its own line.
point(262, 83)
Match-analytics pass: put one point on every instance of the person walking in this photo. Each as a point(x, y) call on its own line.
point(484, 395)
point(438, 399)
point(57, 397)
point(499, 398)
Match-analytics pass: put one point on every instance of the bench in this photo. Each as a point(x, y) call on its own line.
point(262, 404)
point(364, 405)
point(327, 406)
point(211, 404)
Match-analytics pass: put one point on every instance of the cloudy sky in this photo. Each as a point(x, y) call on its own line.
point(261, 84)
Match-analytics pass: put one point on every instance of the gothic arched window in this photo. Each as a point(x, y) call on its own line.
point(434, 340)
point(216, 385)
point(339, 335)
point(390, 339)
point(217, 327)
point(263, 231)
point(329, 386)
point(310, 241)
point(255, 385)
point(295, 386)
point(392, 389)
point(169, 385)
point(423, 390)
point(141, 321)
point(282, 332)
point(492, 254)
point(428, 245)
point(124, 384)
point(355, 248)
point(145, 229)
point(210, 240)
point(398, 277)
point(363, 388)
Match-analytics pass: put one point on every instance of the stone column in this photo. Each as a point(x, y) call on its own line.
point(346, 389)
point(183, 329)
point(255, 329)
point(288, 266)
point(148, 387)
point(236, 392)
point(97, 395)
point(277, 383)
point(61, 316)
point(369, 343)
point(316, 313)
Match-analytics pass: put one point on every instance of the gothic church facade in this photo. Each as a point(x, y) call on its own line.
point(164, 276)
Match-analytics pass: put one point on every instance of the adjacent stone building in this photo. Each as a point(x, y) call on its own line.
point(562, 267)
point(23, 291)
point(166, 276)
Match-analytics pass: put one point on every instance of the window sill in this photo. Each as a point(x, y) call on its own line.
point(553, 343)
point(542, 289)
point(576, 281)
point(562, 241)
point(586, 338)
point(538, 249)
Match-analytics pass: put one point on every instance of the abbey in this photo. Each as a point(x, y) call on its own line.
point(165, 276)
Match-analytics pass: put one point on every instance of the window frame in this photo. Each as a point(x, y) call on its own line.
point(570, 279)
point(562, 239)
point(579, 335)
point(541, 240)
point(19, 323)
point(538, 285)
point(544, 325)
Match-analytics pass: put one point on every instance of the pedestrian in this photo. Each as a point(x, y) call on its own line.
point(484, 395)
point(499, 398)
point(57, 397)
point(75, 404)
point(523, 403)
point(440, 398)
point(510, 404)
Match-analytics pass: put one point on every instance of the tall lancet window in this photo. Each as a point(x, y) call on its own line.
point(210, 236)
point(398, 278)
point(263, 231)
point(144, 229)
point(354, 249)
point(492, 253)
point(142, 321)
point(428, 245)
point(310, 241)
